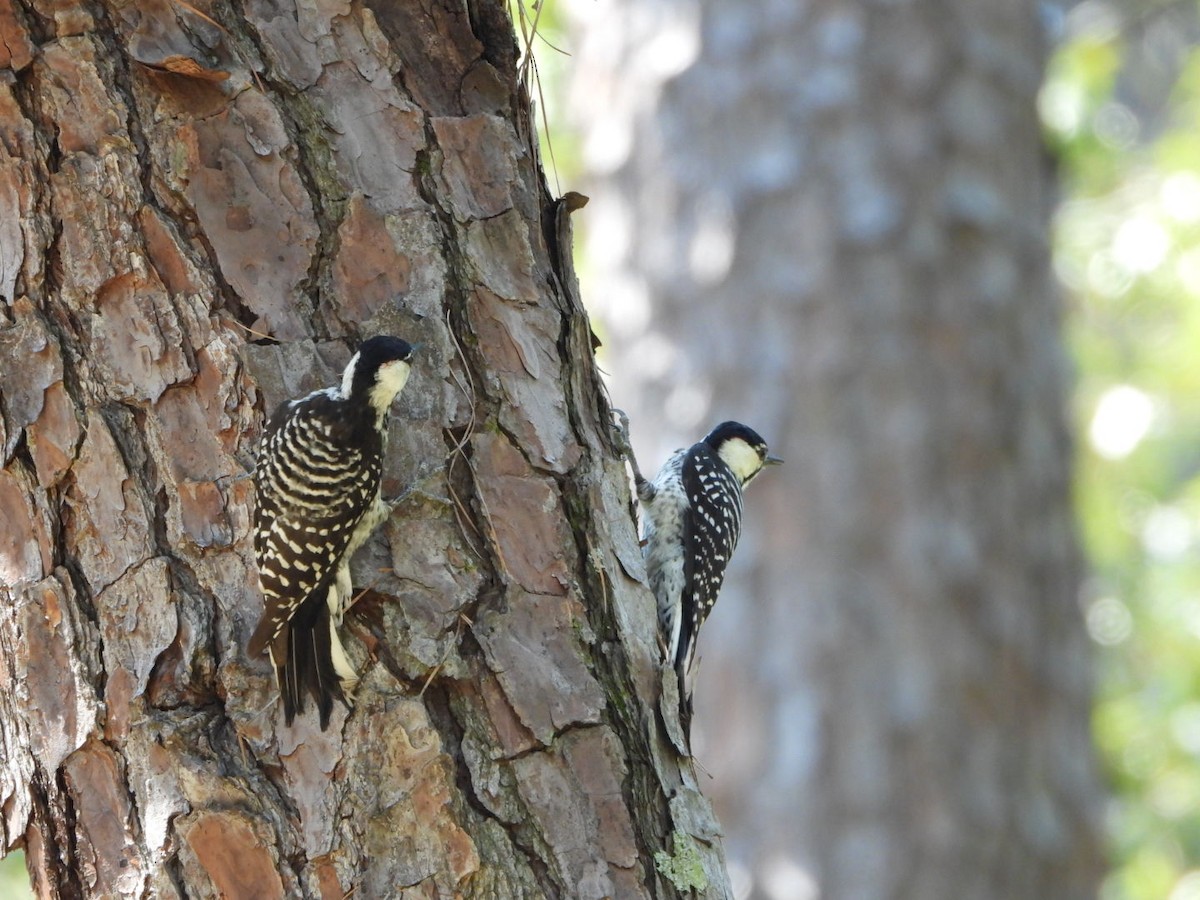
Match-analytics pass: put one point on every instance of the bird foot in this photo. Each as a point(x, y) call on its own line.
point(620, 433)
point(416, 487)
point(620, 438)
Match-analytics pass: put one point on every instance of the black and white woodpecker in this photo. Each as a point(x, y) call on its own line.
point(317, 483)
point(692, 513)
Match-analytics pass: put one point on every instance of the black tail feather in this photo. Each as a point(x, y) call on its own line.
point(307, 666)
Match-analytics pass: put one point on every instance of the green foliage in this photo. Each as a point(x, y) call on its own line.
point(14, 880)
point(543, 37)
point(1128, 248)
point(684, 868)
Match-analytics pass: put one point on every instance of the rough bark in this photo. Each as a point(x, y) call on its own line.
point(202, 207)
point(829, 220)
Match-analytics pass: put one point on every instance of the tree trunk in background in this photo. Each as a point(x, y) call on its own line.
point(829, 221)
point(172, 189)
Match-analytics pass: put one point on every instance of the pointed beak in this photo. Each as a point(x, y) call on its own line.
point(772, 461)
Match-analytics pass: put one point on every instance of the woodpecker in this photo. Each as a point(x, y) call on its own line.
point(692, 520)
point(317, 486)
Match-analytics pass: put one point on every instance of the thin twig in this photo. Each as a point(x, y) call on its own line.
point(213, 22)
point(433, 673)
point(529, 32)
point(249, 330)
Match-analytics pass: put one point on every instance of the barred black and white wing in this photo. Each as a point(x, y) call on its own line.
point(318, 474)
point(711, 528)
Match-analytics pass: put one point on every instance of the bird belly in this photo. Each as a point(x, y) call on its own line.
point(664, 561)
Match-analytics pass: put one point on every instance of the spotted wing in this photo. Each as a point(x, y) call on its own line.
point(710, 534)
point(312, 490)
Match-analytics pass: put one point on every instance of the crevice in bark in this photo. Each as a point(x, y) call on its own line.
point(116, 65)
point(443, 715)
point(126, 423)
point(566, 730)
point(85, 602)
point(624, 711)
point(134, 820)
point(58, 814)
point(46, 162)
point(493, 28)
point(173, 866)
point(225, 297)
point(161, 501)
point(28, 95)
point(536, 856)
point(39, 27)
point(202, 691)
point(20, 453)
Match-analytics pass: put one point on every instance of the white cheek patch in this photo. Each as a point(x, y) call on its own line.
point(388, 383)
point(742, 459)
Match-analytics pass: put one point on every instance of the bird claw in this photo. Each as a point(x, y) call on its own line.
point(414, 487)
point(620, 438)
point(395, 502)
point(620, 434)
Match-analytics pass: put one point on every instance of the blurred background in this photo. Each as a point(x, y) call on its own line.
point(911, 243)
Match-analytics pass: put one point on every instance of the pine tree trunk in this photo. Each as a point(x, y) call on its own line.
point(829, 220)
point(203, 206)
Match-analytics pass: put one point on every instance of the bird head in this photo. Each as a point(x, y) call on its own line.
point(741, 449)
point(378, 371)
